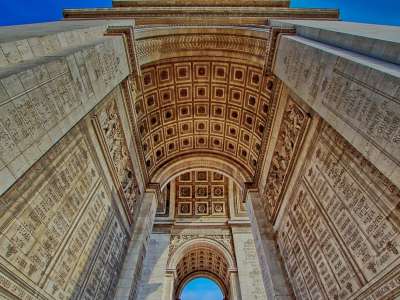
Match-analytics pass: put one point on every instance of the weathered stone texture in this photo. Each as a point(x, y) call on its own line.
point(340, 234)
point(249, 271)
point(112, 137)
point(42, 100)
point(60, 235)
point(356, 94)
point(152, 279)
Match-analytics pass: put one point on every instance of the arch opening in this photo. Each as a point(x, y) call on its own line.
point(201, 287)
point(201, 258)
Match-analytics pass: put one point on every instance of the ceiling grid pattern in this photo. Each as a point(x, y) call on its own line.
point(197, 106)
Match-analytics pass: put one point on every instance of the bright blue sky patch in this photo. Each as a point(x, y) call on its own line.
point(201, 289)
point(33, 11)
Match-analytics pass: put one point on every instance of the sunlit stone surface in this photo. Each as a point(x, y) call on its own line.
point(148, 144)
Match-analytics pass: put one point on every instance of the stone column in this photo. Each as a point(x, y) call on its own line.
point(350, 75)
point(127, 287)
point(234, 286)
point(248, 265)
point(168, 290)
point(274, 278)
point(152, 284)
point(51, 76)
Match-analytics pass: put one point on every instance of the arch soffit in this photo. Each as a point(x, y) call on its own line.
point(208, 162)
point(187, 246)
point(239, 42)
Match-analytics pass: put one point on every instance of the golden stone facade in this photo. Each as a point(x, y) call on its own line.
point(154, 142)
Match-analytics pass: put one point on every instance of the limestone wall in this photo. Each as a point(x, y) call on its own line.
point(65, 224)
point(356, 94)
point(61, 236)
point(154, 266)
point(339, 236)
point(44, 94)
point(249, 270)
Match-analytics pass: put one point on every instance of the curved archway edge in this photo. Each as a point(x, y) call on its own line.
point(199, 242)
point(206, 162)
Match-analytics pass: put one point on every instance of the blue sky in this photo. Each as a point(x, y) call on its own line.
point(32, 11)
point(201, 289)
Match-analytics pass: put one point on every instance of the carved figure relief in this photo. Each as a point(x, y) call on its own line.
point(111, 136)
point(294, 124)
point(62, 222)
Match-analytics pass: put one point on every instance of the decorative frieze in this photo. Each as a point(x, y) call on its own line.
point(107, 121)
point(294, 124)
point(153, 47)
point(225, 239)
point(60, 236)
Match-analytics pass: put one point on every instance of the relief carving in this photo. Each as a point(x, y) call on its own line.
point(294, 124)
point(111, 133)
point(57, 221)
point(178, 239)
point(150, 47)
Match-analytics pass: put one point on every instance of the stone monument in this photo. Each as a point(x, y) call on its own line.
point(154, 142)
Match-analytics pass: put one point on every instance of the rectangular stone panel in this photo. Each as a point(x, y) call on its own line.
point(290, 136)
point(60, 236)
point(357, 95)
point(41, 101)
point(249, 270)
point(340, 235)
point(112, 138)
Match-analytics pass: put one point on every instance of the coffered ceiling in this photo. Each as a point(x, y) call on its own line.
point(195, 105)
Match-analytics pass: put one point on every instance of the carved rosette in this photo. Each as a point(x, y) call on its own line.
point(294, 124)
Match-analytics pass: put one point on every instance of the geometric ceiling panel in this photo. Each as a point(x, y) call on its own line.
point(203, 106)
point(201, 194)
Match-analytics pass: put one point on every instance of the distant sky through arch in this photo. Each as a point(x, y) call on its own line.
point(201, 289)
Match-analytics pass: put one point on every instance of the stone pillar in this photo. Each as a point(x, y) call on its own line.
point(234, 292)
point(350, 75)
point(127, 287)
point(50, 77)
point(154, 267)
point(249, 272)
point(275, 281)
point(168, 290)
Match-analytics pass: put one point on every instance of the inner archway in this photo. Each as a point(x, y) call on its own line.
point(201, 288)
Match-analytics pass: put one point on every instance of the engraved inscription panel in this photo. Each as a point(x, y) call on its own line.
point(59, 234)
point(341, 231)
point(372, 112)
point(358, 97)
